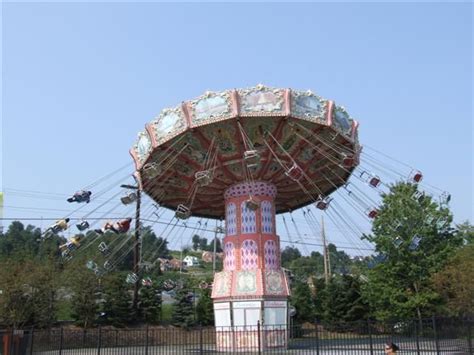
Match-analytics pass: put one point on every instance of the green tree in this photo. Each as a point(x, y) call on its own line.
point(342, 301)
point(289, 254)
point(302, 300)
point(205, 309)
point(28, 293)
point(183, 308)
point(455, 282)
point(117, 300)
point(84, 301)
point(150, 304)
point(413, 234)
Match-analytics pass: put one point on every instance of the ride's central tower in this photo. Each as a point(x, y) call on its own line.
point(252, 289)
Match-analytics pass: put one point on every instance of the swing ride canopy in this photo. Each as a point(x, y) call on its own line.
point(304, 145)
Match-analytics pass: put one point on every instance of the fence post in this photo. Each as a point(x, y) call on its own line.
point(99, 340)
point(32, 340)
point(146, 340)
point(61, 340)
point(371, 343)
point(435, 334)
point(417, 337)
point(258, 338)
point(10, 344)
point(201, 349)
point(469, 336)
point(317, 337)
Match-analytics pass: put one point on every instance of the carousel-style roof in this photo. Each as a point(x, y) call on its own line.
point(305, 145)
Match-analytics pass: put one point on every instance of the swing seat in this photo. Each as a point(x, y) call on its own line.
point(151, 170)
point(444, 198)
point(323, 203)
point(132, 278)
point(203, 285)
point(130, 198)
point(374, 181)
point(441, 223)
point(418, 195)
point(103, 248)
point(203, 178)
point(168, 285)
point(252, 204)
point(82, 226)
point(182, 212)
point(372, 213)
point(397, 242)
point(147, 282)
point(347, 161)
point(108, 265)
point(415, 176)
point(415, 243)
point(252, 158)
point(294, 173)
point(91, 265)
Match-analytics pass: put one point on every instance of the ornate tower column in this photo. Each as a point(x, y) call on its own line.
point(252, 288)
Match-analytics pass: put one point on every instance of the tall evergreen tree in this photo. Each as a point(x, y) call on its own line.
point(84, 301)
point(183, 308)
point(204, 308)
point(150, 304)
point(117, 305)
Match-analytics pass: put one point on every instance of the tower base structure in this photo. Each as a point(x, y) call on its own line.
point(251, 295)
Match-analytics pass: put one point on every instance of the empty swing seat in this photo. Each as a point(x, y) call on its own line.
point(415, 176)
point(130, 198)
point(323, 203)
point(418, 195)
point(132, 278)
point(252, 204)
point(168, 285)
point(348, 161)
point(252, 158)
point(372, 213)
point(91, 265)
point(103, 248)
point(294, 173)
point(203, 178)
point(82, 226)
point(151, 170)
point(182, 212)
point(108, 265)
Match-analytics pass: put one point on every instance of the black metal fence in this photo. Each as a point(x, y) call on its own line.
point(430, 336)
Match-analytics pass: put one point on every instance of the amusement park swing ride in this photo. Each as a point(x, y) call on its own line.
point(242, 157)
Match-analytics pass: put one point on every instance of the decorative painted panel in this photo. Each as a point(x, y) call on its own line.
point(210, 106)
point(270, 254)
point(249, 255)
point(261, 99)
point(169, 123)
point(231, 219)
point(143, 146)
point(249, 220)
point(342, 120)
point(307, 105)
point(229, 257)
point(246, 282)
point(222, 284)
point(267, 217)
point(274, 283)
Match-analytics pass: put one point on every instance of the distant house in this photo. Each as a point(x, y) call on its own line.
point(207, 256)
point(190, 261)
point(175, 264)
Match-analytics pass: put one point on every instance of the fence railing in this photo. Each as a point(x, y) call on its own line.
point(429, 336)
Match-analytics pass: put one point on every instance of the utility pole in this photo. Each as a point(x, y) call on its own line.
point(327, 270)
point(137, 247)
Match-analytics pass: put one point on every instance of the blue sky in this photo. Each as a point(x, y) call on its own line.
point(81, 80)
